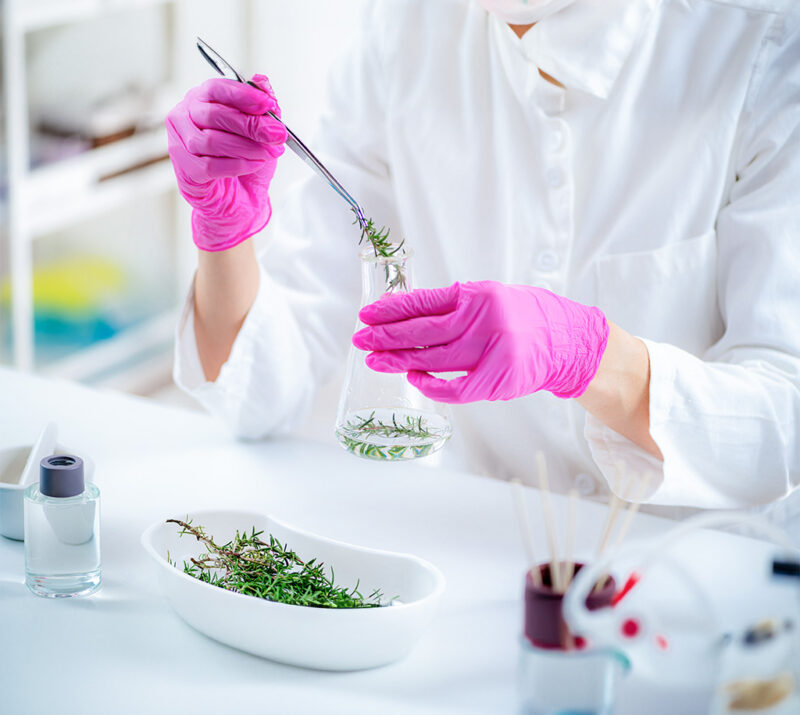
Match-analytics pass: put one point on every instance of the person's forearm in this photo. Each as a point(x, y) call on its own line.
point(619, 394)
point(225, 288)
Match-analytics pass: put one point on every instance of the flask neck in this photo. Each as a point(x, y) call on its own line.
point(384, 274)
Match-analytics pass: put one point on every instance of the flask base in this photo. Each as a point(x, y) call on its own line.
point(64, 585)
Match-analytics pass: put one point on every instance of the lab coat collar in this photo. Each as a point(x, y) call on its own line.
point(585, 45)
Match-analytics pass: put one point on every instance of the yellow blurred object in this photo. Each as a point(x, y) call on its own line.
point(79, 284)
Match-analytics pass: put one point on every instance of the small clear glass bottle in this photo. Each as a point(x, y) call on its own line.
point(382, 416)
point(62, 530)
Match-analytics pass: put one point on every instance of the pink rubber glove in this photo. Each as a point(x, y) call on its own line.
point(224, 153)
point(512, 340)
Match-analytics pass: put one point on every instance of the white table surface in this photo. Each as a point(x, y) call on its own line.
point(124, 650)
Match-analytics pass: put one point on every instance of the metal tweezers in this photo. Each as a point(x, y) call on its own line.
point(293, 141)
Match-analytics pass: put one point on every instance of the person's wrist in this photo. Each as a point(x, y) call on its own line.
point(619, 394)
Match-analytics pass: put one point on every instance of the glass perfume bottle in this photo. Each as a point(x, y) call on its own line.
point(62, 530)
point(382, 416)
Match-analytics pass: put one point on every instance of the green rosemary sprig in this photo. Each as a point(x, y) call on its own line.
point(252, 566)
point(360, 429)
point(414, 427)
point(379, 238)
point(383, 247)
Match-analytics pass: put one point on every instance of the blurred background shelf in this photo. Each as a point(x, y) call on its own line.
point(95, 244)
point(95, 247)
point(92, 166)
point(82, 200)
point(135, 345)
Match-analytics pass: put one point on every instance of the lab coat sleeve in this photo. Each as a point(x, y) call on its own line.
point(728, 422)
point(299, 327)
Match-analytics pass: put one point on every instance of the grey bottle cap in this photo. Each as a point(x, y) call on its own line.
point(61, 475)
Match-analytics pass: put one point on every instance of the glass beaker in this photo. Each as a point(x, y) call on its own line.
point(382, 416)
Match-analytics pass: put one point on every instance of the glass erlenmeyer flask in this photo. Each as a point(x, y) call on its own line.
point(382, 416)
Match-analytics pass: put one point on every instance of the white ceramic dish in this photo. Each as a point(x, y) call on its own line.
point(12, 462)
point(321, 638)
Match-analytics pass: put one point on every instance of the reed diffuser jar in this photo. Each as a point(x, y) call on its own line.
point(558, 673)
point(382, 416)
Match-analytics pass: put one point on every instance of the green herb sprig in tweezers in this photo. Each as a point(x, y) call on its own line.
point(383, 247)
point(254, 567)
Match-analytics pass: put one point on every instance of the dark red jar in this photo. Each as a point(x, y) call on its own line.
point(544, 623)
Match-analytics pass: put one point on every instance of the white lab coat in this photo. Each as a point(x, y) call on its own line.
point(661, 185)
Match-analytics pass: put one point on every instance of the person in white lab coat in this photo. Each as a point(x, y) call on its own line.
point(641, 156)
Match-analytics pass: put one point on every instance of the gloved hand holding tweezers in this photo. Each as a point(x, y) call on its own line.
point(224, 149)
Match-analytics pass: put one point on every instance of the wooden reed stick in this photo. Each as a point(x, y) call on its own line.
point(544, 491)
point(632, 508)
point(630, 511)
point(525, 529)
point(569, 564)
point(614, 505)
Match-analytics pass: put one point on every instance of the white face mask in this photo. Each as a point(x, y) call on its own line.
point(524, 12)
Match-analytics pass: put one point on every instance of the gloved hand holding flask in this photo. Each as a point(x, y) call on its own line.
point(512, 340)
point(224, 151)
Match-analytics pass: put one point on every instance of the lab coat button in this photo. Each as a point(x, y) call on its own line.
point(556, 139)
point(554, 178)
point(584, 483)
point(543, 284)
point(547, 261)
